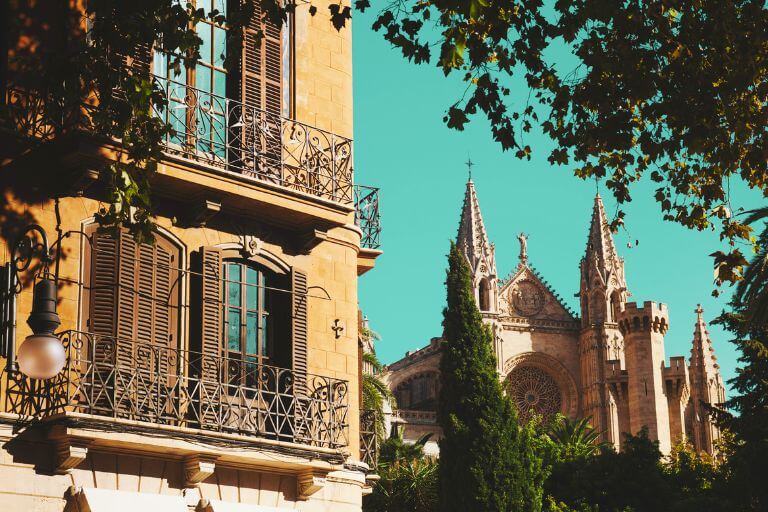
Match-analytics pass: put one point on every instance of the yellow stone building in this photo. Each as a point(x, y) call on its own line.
point(218, 369)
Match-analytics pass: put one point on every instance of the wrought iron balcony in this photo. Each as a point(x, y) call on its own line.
point(220, 132)
point(109, 378)
point(369, 439)
point(367, 216)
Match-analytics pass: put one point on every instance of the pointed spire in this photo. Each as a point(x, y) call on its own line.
point(600, 238)
point(472, 237)
point(703, 358)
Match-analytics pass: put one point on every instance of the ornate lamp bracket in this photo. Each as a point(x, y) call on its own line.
point(25, 249)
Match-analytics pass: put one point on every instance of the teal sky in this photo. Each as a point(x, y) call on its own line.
point(403, 147)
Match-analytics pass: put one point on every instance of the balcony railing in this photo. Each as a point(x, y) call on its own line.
point(369, 440)
point(109, 378)
point(219, 132)
point(367, 216)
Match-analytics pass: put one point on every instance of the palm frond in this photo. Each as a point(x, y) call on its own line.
point(752, 291)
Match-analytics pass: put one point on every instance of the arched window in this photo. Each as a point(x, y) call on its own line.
point(484, 292)
point(418, 393)
point(615, 299)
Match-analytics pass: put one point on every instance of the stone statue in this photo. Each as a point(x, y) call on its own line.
point(523, 238)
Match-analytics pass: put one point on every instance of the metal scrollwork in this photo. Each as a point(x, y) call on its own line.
point(26, 249)
point(161, 385)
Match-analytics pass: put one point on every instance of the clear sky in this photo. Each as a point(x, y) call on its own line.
point(403, 147)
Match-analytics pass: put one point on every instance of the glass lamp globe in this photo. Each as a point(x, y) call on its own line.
point(41, 356)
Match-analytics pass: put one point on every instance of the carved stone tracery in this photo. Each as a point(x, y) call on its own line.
point(538, 381)
point(534, 390)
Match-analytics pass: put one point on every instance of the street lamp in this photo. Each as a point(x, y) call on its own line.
point(41, 355)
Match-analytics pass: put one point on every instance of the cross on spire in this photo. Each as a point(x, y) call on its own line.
point(469, 164)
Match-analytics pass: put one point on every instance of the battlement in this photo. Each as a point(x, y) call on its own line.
point(677, 367)
point(652, 316)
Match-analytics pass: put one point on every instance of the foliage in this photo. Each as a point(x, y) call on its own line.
point(395, 449)
point(638, 479)
point(745, 415)
point(697, 479)
point(408, 481)
point(669, 90)
point(574, 438)
point(405, 486)
point(672, 90)
point(632, 479)
point(375, 391)
point(106, 68)
point(752, 292)
point(481, 465)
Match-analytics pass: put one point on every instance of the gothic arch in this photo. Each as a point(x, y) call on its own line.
point(546, 367)
point(418, 391)
point(484, 294)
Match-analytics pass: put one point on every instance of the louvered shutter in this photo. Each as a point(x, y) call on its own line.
point(261, 91)
point(133, 302)
point(299, 330)
point(102, 320)
point(131, 373)
point(207, 320)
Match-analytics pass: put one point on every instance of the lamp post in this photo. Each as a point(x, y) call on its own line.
point(41, 355)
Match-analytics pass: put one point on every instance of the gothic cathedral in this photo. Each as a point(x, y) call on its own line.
point(606, 364)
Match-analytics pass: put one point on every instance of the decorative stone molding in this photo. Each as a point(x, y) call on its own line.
point(197, 468)
point(250, 246)
point(68, 455)
point(312, 239)
point(308, 483)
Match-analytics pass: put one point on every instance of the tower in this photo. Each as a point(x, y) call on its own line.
point(706, 387)
point(603, 291)
point(472, 239)
point(644, 328)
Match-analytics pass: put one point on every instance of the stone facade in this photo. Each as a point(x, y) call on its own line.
point(606, 363)
point(149, 430)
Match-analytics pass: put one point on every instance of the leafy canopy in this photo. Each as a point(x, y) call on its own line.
point(671, 90)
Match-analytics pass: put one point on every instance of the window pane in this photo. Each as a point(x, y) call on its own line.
point(220, 84)
point(252, 330)
point(159, 64)
point(204, 32)
point(233, 330)
point(264, 339)
point(252, 278)
point(219, 46)
point(203, 84)
point(233, 284)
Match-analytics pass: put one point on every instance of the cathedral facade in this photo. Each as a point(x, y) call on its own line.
point(606, 363)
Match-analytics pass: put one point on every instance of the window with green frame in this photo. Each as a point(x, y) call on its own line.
point(197, 96)
point(247, 334)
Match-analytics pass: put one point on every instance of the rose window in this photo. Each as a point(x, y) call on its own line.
point(532, 389)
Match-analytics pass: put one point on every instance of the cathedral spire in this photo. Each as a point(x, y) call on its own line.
point(706, 387)
point(472, 237)
point(600, 241)
point(603, 286)
point(703, 360)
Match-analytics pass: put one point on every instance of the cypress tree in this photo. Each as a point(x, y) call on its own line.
point(481, 451)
